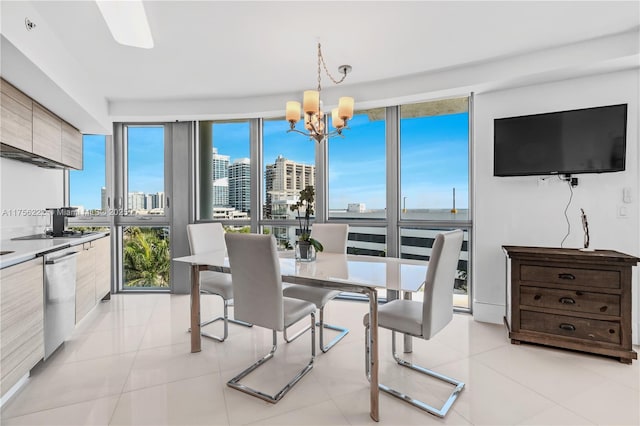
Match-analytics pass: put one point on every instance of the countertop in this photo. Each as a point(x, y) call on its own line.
point(24, 250)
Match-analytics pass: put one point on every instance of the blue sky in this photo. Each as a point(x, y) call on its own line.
point(434, 160)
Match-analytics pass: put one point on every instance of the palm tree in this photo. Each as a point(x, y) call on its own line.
point(146, 258)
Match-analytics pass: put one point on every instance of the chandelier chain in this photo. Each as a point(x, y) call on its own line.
point(321, 61)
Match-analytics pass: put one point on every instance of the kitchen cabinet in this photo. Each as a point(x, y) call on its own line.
point(21, 319)
point(85, 280)
point(103, 268)
point(36, 133)
point(93, 275)
point(47, 134)
point(571, 299)
point(71, 146)
point(17, 113)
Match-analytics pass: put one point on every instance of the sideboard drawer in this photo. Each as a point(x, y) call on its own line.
point(580, 328)
point(570, 300)
point(570, 276)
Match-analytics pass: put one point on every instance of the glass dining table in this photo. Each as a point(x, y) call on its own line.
point(349, 273)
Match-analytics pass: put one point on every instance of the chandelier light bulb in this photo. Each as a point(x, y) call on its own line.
point(293, 111)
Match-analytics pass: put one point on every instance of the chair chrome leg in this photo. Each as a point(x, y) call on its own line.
point(226, 320)
point(322, 325)
point(440, 412)
point(235, 321)
point(343, 332)
point(295, 336)
point(235, 382)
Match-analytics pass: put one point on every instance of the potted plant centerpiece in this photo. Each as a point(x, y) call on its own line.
point(306, 246)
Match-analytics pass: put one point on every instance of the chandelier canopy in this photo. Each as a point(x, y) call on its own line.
point(314, 117)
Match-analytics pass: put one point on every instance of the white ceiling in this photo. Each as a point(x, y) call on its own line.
point(224, 52)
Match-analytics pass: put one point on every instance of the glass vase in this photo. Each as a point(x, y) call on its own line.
point(305, 252)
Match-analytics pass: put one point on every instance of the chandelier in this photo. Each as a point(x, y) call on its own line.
point(314, 117)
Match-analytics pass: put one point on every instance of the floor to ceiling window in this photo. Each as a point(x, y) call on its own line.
point(356, 175)
point(434, 180)
point(142, 208)
point(288, 162)
point(397, 176)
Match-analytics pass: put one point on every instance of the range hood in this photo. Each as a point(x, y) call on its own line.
point(8, 151)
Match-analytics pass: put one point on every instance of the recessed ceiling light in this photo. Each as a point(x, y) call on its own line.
point(127, 22)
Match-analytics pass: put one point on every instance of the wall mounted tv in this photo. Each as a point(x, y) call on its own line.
point(590, 140)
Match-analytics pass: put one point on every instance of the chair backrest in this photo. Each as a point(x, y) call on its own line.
point(437, 308)
point(257, 283)
point(332, 236)
point(205, 237)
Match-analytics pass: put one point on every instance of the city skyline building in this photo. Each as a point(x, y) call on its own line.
point(142, 201)
point(220, 176)
point(284, 179)
point(104, 205)
point(240, 185)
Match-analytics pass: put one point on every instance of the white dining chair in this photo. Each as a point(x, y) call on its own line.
point(424, 319)
point(203, 238)
point(333, 237)
point(257, 285)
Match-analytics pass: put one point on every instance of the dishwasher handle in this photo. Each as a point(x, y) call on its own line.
point(62, 258)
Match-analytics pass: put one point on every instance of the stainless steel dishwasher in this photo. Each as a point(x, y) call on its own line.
point(59, 298)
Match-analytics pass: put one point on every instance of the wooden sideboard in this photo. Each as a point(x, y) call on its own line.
point(571, 299)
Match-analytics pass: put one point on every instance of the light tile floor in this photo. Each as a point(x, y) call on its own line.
point(128, 362)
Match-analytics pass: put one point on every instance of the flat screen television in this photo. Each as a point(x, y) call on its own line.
point(590, 140)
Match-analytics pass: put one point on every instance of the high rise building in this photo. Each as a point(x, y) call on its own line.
point(103, 199)
point(151, 201)
point(136, 201)
point(284, 180)
point(221, 192)
point(220, 175)
point(240, 185)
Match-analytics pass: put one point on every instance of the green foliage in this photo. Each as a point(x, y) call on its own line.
point(146, 257)
point(307, 196)
point(89, 228)
point(233, 230)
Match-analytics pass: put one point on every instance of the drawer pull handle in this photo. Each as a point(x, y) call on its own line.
point(537, 297)
point(566, 276)
point(567, 327)
point(567, 301)
point(603, 309)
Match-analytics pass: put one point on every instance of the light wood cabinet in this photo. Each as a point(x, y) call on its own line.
point(47, 134)
point(21, 319)
point(36, 132)
point(85, 281)
point(71, 146)
point(93, 275)
point(17, 116)
point(103, 268)
point(571, 299)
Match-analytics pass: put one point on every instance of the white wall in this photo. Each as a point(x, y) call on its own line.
point(26, 189)
point(521, 211)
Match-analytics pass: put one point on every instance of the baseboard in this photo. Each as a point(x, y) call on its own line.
point(15, 388)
